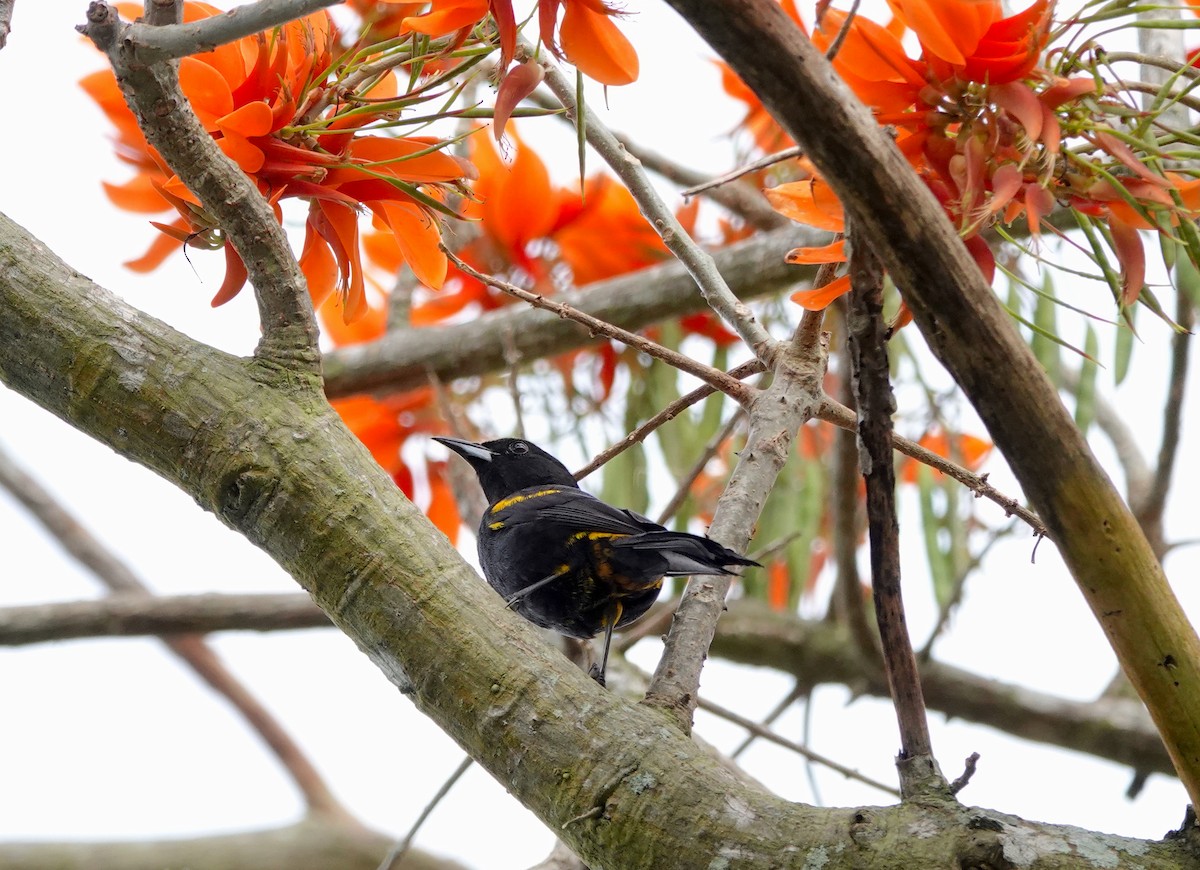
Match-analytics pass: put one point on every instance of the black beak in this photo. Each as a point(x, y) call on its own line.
point(468, 450)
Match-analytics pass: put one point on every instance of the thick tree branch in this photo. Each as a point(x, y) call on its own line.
point(966, 328)
point(313, 844)
point(6, 13)
point(227, 194)
point(405, 359)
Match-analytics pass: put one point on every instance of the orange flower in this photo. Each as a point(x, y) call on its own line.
point(589, 38)
point(253, 96)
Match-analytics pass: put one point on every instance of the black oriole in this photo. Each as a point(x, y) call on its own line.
point(565, 560)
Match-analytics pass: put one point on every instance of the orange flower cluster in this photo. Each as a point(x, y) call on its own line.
point(984, 125)
point(252, 96)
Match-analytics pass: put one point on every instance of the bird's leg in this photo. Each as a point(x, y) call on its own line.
point(614, 616)
point(512, 600)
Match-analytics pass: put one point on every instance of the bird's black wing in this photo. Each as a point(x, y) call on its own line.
point(579, 511)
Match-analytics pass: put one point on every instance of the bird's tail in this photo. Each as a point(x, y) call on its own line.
point(685, 554)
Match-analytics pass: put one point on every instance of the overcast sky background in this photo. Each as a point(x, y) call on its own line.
point(113, 739)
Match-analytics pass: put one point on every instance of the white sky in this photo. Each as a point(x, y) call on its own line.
point(113, 739)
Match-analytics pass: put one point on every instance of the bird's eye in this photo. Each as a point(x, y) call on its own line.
point(519, 447)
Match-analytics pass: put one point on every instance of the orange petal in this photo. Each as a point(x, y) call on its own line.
point(235, 277)
point(418, 236)
point(139, 194)
point(445, 16)
point(947, 33)
point(243, 152)
point(443, 509)
point(594, 44)
point(318, 265)
point(1127, 244)
point(834, 252)
point(819, 298)
point(209, 94)
point(521, 206)
point(518, 83)
point(161, 248)
point(1018, 100)
point(808, 202)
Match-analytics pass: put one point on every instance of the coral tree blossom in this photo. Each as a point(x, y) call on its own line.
point(269, 102)
point(984, 125)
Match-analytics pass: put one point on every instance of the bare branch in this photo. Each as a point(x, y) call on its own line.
point(163, 12)
point(770, 736)
point(777, 413)
point(1150, 511)
point(396, 855)
point(131, 614)
point(151, 44)
point(968, 330)
point(752, 166)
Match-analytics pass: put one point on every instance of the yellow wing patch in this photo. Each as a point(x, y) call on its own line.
point(517, 499)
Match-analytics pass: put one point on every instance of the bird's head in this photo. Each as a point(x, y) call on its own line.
point(507, 465)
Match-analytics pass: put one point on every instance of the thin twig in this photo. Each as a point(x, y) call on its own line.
point(876, 405)
point(769, 735)
point(1174, 67)
point(836, 45)
point(839, 415)
point(395, 856)
point(192, 649)
point(732, 387)
point(848, 602)
point(666, 415)
point(699, 263)
point(152, 44)
point(968, 771)
point(753, 166)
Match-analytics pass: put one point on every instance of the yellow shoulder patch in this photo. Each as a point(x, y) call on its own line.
point(517, 499)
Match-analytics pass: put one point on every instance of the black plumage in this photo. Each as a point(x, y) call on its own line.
point(565, 560)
